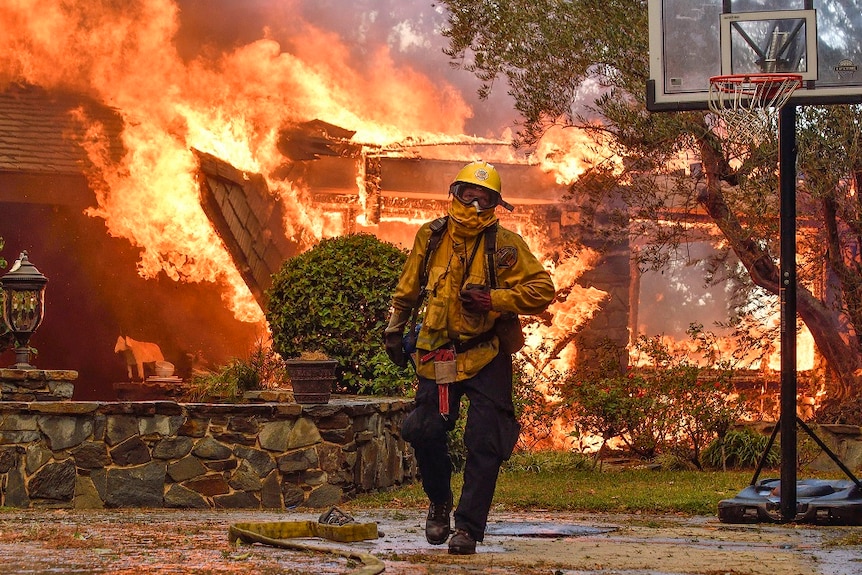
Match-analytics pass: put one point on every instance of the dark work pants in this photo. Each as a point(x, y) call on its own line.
point(490, 435)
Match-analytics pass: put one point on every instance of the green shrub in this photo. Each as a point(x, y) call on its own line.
point(335, 299)
point(669, 405)
point(740, 449)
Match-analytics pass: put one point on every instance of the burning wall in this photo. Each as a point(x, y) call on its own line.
point(94, 292)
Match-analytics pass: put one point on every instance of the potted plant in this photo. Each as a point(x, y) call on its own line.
point(311, 376)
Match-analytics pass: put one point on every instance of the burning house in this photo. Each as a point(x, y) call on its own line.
point(99, 287)
point(174, 156)
point(95, 293)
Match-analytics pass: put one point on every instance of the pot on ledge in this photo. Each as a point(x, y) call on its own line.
point(311, 379)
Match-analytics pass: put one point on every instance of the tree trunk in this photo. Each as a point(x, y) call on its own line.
point(823, 323)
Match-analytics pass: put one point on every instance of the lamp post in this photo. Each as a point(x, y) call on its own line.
point(22, 294)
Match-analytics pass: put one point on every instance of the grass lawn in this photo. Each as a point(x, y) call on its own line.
point(556, 486)
point(629, 491)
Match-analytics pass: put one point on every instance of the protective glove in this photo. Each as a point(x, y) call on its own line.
point(476, 300)
point(394, 344)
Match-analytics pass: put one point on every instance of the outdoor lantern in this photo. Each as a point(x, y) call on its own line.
point(22, 294)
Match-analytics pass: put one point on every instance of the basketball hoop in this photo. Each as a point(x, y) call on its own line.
point(748, 103)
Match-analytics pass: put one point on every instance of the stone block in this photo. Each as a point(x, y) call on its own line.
point(237, 500)
point(324, 496)
point(331, 458)
point(16, 490)
point(221, 464)
point(186, 468)
point(236, 438)
point(244, 425)
point(9, 457)
point(132, 451)
point(141, 486)
point(91, 455)
point(18, 422)
point(270, 492)
point(119, 428)
point(65, 431)
point(36, 456)
point(160, 425)
point(183, 498)
point(274, 435)
point(62, 390)
point(86, 495)
point(65, 407)
point(209, 485)
point(173, 447)
point(298, 460)
point(338, 420)
point(303, 433)
point(245, 479)
point(338, 436)
point(260, 461)
point(19, 437)
point(293, 494)
point(209, 448)
point(194, 427)
point(54, 481)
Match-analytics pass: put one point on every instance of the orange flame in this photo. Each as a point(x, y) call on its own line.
point(231, 106)
point(554, 153)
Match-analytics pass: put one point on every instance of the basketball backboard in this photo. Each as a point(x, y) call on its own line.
point(692, 41)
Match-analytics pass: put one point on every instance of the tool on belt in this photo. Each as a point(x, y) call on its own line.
point(445, 370)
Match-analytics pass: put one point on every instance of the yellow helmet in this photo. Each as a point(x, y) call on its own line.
point(484, 175)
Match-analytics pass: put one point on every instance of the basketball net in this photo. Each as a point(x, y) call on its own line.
point(748, 104)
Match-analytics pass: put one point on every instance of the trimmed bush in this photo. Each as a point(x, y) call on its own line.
point(335, 299)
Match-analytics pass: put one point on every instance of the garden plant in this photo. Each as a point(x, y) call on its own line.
point(670, 405)
point(335, 299)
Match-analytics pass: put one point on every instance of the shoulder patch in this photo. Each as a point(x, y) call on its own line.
point(507, 256)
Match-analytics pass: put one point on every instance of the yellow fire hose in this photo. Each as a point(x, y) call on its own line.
point(280, 533)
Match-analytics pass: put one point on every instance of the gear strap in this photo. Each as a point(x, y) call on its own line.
point(446, 353)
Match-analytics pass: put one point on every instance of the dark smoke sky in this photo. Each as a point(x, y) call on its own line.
point(410, 29)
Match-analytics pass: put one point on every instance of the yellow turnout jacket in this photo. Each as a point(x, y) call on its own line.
point(523, 287)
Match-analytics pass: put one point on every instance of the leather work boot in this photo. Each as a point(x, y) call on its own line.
point(437, 524)
point(462, 543)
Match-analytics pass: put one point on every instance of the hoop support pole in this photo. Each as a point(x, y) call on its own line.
point(787, 297)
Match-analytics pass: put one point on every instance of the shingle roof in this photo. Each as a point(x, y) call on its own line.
point(40, 134)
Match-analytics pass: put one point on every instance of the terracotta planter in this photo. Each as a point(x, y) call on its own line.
point(311, 379)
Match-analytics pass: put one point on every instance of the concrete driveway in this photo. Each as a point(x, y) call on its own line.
point(162, 541)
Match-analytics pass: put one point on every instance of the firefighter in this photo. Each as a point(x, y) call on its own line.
point(465, 273)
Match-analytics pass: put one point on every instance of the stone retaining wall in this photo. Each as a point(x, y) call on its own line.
point(166, 454)
point(36, 384)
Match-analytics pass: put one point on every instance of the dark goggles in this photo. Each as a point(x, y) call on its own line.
point(468, 193)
